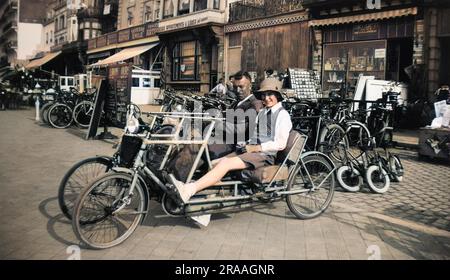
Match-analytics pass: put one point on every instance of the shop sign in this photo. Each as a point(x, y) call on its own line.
point(365, 29)
point(137, 32)
point(380, 53)
point(185, 24)
point(124, 35)
point(101, 41)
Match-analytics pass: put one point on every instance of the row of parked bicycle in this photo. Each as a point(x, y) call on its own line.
point(61, 109)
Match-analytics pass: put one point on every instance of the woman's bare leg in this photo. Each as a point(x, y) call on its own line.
point(218, 172)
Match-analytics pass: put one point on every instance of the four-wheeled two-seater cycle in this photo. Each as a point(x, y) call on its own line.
point(106, 210)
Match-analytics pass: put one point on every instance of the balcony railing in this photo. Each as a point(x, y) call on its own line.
point(124, 35)
point(252, 9)
point(90, 12)
point(60, 5)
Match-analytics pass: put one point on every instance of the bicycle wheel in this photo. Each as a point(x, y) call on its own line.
point(349, 178)
point(315, 171)
point(358, 136)
point(44, 112)
point(60, 116)
point(396, 167)
point(95, 222)
point(79, 177)
point(378, 180)
point(82, 113)
point(334, 142)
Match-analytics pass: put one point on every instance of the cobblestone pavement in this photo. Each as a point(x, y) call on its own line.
point(411, 221)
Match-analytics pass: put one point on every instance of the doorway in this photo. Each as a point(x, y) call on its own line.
point(399, 56)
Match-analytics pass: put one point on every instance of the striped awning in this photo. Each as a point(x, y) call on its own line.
point(124, 55)
point(41, 61)
point(365, 17)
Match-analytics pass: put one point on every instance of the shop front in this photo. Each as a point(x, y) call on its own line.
point(380, 45)
point(191, 58)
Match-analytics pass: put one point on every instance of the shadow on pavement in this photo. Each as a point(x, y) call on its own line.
point(56, 222)
point(416, 244)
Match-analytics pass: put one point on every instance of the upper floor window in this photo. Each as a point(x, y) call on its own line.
point(148, 11)
point(46, 37)
point(216, 4)
point(168, 8)
point(130, 16)
point(183, 7)
point(62, 22)
point(200, 5)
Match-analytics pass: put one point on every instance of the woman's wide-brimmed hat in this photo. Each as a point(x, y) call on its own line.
point(270, 85)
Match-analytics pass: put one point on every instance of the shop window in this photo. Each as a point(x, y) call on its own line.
point(168, 9)
point(344, 62)
point(235, 39)
point(200, 5)
point(146, 82)
point(186, 61)
point(183, 7)
point(70, 81)
point(157, 83)
point(135, 82)
point(63, 82)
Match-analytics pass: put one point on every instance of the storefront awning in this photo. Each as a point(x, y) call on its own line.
point(365, 17)
point(41, 61)
point(124, 55)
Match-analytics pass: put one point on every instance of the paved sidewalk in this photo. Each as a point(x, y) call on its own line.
point(411, 221)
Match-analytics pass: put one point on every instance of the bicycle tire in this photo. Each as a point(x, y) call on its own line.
point(79, 224)
point(60, 116)
point(378, 183)
point(396, 167)
point(352, 184)
point(44, 112)
point(301, 212)
point(68, 193)
point(82, 113)
point(335, 150)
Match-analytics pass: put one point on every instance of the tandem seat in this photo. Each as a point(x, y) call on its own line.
point(285, 159)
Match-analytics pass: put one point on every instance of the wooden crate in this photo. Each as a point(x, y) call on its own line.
point(430, 137)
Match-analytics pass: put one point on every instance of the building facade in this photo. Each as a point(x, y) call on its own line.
point(21, 25)
point(262, 35)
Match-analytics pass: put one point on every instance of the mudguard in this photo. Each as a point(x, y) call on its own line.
point(316, 153)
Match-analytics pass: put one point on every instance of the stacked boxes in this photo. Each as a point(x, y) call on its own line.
point(305, 83)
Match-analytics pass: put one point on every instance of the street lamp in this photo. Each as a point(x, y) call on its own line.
point(36, 91)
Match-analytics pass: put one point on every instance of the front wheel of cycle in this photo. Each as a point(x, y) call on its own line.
point(315, 179)
point(349, 178)
point(79, 177)
point(95, 219)
point(378, 179)
point(396, 167)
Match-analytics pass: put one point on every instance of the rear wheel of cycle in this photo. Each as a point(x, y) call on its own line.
point(82, 113)
point(60, 116)
point(79, 177)
point(311, 203)
point(95, 221)
point(396, 167)
point(44, 112)
point(358, 136)
point(378, 179)
point(334, 142)
point(349, 178)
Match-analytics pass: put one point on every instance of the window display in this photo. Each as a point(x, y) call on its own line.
point(344, 62)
